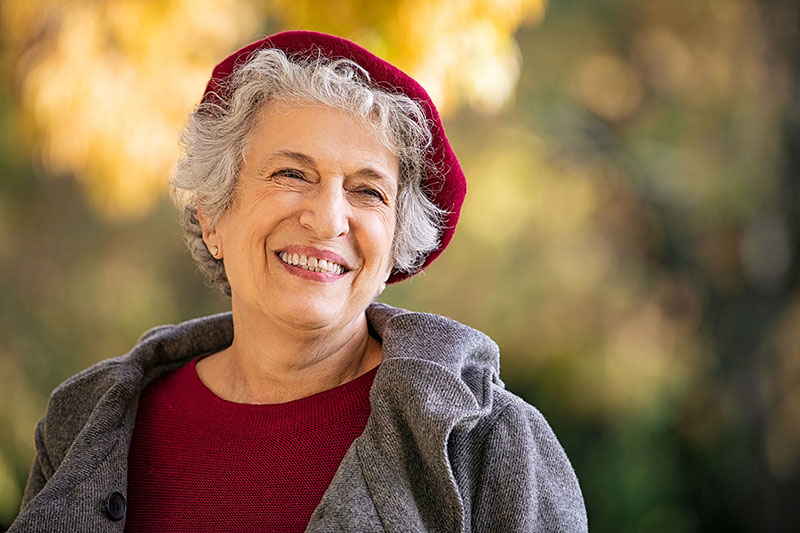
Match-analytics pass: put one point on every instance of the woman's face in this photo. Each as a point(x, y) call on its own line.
point(307, 240)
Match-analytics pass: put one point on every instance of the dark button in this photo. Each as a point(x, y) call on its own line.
point(116, 506)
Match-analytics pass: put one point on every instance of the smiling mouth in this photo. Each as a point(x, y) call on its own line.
point(312, 264)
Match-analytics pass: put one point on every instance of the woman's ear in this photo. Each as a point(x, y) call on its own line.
point(210, 235)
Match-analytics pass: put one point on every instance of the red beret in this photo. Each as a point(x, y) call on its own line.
point(447, 189)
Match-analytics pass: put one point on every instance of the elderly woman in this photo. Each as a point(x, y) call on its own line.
point(313, 173)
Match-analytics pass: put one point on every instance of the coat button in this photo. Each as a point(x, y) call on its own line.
point(116, 506)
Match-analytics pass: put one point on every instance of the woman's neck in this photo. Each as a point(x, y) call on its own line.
point(271, 363)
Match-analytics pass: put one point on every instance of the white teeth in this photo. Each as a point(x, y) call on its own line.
point(311, 263)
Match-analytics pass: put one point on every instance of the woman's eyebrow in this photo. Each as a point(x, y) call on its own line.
point(299, 157)
point(374, 175)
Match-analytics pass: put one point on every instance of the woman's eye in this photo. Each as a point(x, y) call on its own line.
point(372, 193)
point(290, 173)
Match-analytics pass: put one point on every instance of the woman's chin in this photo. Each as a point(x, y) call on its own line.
point(309, 314)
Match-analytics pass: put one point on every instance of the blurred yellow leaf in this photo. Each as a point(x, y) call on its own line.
point(106, 85)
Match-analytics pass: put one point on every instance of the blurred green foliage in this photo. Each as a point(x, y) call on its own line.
point(630, 240)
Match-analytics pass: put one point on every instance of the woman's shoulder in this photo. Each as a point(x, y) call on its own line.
point(440, 380)
point(471, 358)
point(158, 345)
point(113, 382)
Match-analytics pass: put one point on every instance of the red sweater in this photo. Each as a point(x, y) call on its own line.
point(201, 463)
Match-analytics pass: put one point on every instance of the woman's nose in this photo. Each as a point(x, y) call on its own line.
point(327, 212)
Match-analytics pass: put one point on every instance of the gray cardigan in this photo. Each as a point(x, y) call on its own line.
point(446, 447)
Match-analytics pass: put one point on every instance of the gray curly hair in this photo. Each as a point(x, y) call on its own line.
point(215, 137)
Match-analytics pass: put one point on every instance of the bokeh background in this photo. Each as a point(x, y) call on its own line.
point(630, 237)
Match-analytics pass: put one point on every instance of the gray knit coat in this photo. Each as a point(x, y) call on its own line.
point(446, 447)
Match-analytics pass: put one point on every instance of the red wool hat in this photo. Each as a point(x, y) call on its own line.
point(446, 190)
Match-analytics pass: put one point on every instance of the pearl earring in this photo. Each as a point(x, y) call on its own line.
point(383, 288)
point(214, 251)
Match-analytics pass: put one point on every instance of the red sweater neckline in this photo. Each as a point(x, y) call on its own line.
point(297, 417)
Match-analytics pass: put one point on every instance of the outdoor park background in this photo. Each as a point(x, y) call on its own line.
point(630, 237)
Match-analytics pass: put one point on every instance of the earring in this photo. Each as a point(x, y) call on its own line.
point(214, 251)
point(383, 288)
